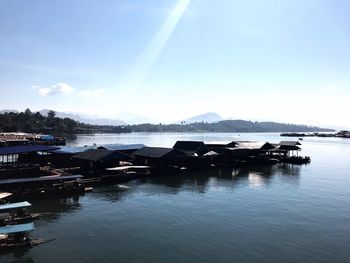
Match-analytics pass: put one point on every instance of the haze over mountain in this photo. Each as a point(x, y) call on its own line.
point(134, 118)
point(127, 118)
point(85, 118)
point(209, 117)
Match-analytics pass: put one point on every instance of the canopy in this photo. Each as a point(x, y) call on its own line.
point(26, 149)
point(10, 229)
point(4, 195)
point(15, 206)
point(39, 179)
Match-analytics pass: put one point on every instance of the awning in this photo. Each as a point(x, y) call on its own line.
point(14, 206)
point(10, 229)
point(26, 149)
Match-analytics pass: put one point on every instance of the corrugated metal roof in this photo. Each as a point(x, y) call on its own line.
point(121, 147)
point(39, 179)
point(10, 229)
point(156, 152)
point(74, 149)
point(26, 149)
point(232, 144)
point(188, 145)
point(96, 155)
point(15, 205)
point(289, 143)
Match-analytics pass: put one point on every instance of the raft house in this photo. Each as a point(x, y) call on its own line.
point(24, 161)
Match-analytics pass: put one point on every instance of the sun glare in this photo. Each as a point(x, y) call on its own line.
point(154, 48)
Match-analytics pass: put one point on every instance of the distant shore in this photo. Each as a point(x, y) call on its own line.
point(341, 134)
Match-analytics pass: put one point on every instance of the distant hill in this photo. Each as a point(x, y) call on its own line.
point(228, 126)
point(209, 117)
point(86, 119)
point(134, 118)
point(73, 123)
point(8, 111)
point(36, 122)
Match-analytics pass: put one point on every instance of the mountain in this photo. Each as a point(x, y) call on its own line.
point(209, 117)
point(86, 119)
point(134, 118)
point(228, 126)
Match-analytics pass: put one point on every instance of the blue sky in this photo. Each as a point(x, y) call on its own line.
point(286, 61)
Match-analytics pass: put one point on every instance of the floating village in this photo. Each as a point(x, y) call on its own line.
point(42, 166)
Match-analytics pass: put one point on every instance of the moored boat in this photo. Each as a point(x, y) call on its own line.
point(17, 236)
point(16, 213)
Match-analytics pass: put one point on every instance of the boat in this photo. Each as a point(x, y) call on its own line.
point(16, 213)
point(17, 236)
point(45, 186)
point(4, 197)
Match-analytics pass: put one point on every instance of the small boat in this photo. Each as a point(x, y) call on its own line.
point(17, 236)
point(16, 213)
point(4, 197)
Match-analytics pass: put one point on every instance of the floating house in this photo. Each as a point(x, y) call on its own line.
point(157, 156)
point(95, 159)
point(64, 156)
point(43, 186)
point(24, 160)
point(288, 152)
point(191, 148)
point(20, 139)
point(124, 148)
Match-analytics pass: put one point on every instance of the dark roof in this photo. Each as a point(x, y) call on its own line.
point(251, 145)
point(232, 144)
point(96, 155)
point(73, 149)
point(157, 152)
point(26, 149)
point(191, 147)
point(121, 147)
point(290, 143)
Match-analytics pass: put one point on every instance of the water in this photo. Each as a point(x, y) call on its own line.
point(282, 213)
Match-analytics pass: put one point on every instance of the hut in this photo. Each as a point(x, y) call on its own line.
point(94, 159)
point(232, 144)
point(24, 160)
point(288, 152)
point(64, 156)
point(124, 148)
point(157, 156)
point(191, 148)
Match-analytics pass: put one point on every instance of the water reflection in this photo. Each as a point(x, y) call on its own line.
point(201, 181)
point(264, 175)
point(52, 209)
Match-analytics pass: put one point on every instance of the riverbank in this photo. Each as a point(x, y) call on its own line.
point(341, 134)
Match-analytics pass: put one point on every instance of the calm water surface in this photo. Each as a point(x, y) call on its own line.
point(282, 213)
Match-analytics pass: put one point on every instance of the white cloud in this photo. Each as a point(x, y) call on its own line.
point(91, 93)
point(60, 88)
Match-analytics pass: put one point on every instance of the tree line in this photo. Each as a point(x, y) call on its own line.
point(35, 122)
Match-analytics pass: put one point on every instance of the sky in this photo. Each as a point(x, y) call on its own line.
point(281, 60)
